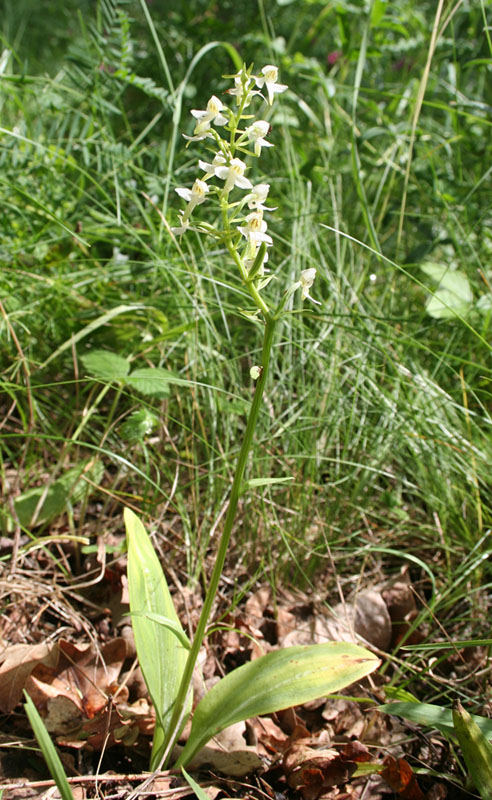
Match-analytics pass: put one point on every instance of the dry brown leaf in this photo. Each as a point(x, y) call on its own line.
point(400, 776)
point(311, 772)
point(367, 617)
point(17, 663)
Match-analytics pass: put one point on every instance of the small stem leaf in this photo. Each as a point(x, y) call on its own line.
point(278, 680)
point(48, 750)
point(170, 624)
point(161, 651)
point(476, 749)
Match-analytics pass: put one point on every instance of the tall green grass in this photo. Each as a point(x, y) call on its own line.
point(382, 411)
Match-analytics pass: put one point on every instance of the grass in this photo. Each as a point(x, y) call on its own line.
point(379, 411)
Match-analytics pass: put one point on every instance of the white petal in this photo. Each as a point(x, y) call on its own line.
point(243, 183)
point(184, 193)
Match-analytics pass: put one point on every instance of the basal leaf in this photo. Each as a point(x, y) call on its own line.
point(160, 653)
point(278, 680)
point(476, 749)
point(433, 716)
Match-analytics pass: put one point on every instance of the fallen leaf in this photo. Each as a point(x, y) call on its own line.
point(17, 663)
point(401, 777)
point(312, 771)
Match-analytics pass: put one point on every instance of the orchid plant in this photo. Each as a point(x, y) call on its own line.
point(167, 657)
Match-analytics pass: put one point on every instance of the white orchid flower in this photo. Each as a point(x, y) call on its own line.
point(194, 197)
point(256, 198)
point(233, 175)
point(268, 78)
point(183, 227)
point(256, 133)
point(219, 161)
point(212, 114)
point(306, 281)
point(255, 228)
point(196, 194)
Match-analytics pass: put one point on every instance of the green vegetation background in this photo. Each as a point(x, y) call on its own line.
point(379, 401)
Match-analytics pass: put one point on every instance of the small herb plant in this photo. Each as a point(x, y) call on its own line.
point(167, 658)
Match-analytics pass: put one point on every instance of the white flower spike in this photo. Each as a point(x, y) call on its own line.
point(256, 133)
point(268, 78)
point(233, 175)
point(307, 280)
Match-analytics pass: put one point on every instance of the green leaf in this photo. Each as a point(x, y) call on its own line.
point(90, 328)
point(170, 624)
point(106, 365)
point(476, 749)
point(200, 793)
point(138, 425)
point(153, 381)
point(433, 716)
point(40, 505)
point(161, 654)
point(278, 680)
point(48, 750)
point(254, 483)
point(435, 270)
point(453, 296)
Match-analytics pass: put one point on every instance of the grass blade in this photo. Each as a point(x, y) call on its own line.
point(48, 750)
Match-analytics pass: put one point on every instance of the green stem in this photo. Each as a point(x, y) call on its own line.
point(226, 533)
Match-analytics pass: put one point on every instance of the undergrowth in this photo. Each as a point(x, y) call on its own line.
point(382, 414)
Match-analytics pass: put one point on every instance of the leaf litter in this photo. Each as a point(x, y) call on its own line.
point(88, 689)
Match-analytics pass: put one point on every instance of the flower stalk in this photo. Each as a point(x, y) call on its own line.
point(247, 241)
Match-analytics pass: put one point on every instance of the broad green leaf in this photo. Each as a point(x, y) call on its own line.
point(106, 365)
point(453, 295)
point(476, 749)
point(40, 505)
point(484, 304)
point(161, 655)
point(278, 680)
point(153, 381)
point(48, 750)
point(435, 270)
point(433, 716)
